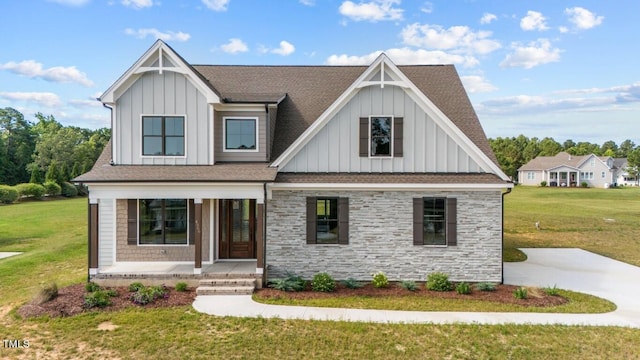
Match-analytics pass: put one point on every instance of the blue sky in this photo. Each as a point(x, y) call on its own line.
point(564, 69)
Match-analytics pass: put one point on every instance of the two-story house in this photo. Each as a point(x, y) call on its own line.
point(301, 169)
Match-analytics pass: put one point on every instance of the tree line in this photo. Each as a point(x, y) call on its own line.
point(513, 152)
point(45, 150)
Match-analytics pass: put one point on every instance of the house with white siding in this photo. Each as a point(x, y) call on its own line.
point(300, 169)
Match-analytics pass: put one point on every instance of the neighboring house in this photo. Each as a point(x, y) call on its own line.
point(623, 177)
point(301, 169)
point(570, 170)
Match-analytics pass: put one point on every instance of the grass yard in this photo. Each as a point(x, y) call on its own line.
point(603, 221)
point(53, 236)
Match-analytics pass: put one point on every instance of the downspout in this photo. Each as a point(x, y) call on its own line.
point(502, 252)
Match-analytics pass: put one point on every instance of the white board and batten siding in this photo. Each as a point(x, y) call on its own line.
point(427, 147)
point(169, 93)
point(106, 234)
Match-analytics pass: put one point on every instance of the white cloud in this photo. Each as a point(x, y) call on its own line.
point(427, 8)
point(216, 5)
point(41, 98)
point(155, 33)
point(137, 4)
point(308, 2)
point(487, 18)
point(85, 103)
point(286, 48)
point(234, 46)
point(58, 74)
point(536, 53)
point(563, 29)
point(374, 10)
point(405, 56)
point(71, 2)
point(456, 38)
point(533, 21)
point(582, 18)
point(477, 84)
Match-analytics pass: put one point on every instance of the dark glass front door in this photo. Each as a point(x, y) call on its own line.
point(237, 229)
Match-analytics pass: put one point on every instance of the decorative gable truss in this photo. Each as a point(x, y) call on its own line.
point(345, 117)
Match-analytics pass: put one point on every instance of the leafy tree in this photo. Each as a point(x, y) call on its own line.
point(633, 164)
point(52, 172)
point(609, 145)
point(568, 144)
point(584, 148)
point(625, 148)
point(18, 143)
point(549, 147)
point(36, 176)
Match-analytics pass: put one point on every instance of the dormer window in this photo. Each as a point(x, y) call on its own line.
point(163, 135)
point(240, 134)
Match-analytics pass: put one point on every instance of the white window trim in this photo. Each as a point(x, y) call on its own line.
point(224, 134)
point(142, 116)
point(159, 245)
point(390, 156)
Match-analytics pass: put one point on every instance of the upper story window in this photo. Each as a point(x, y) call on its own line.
point(380, 130)
point(163, 135)
point(381, 136)
point(240, 134)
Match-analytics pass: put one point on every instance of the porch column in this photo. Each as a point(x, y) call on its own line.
point(260, 241)
point(197, 268)
point(93, 236)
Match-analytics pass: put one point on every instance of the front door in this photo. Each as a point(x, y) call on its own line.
point(237, 229)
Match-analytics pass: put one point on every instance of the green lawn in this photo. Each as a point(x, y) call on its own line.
point(53, 236)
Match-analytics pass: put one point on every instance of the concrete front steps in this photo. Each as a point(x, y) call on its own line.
point(235, 285)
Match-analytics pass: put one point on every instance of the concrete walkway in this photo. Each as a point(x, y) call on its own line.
point(571, 269)
point(8, 254)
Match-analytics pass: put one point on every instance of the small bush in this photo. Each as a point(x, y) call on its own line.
point(520, 293)
point(323, 282)
point(463, 288)
point(135, 286)
point(91, 287)
point(83, 190)
point(69, 190)
point(290, 283)
point(47, 293)
point(584, 184)
point(486, 286)
point(148, 294)
point(439, 281)
point(351, 283)
point(543, 183)
point(30, 190)
point(8, 194)
point(51, 188)
point(409, 285)
point(181, 287)
point(380, 280)
point(552, 291)
point(99, 298)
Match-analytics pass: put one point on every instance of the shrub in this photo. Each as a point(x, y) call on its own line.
point(135, 286)
point(69, 190)
point(323, 282)
point(463, 288)
point(8, 194)
point(486, 286)
point(543, 183)
point(352, 283)
point(520, 293)
point(552, 291)
point(290, 282)
point(584, 184)
point(181, 286)
point(30, 190)
point(47, 293)
point(380, 280)
point(91, 287)
point(409, 285)
point(99, 298)
point(51, 188)
point(148, 294)
point(83, 190)
point(439, 281)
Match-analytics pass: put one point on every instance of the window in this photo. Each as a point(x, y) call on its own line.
point(163, 135)
point(163, 221)
point(327, 220)
point(531, 175)
point(434, 221)
point(602, 175)
point(240, 134)
point(381, 136)
point(592, 162)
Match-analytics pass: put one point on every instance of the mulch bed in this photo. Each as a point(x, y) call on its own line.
point(70, 299)
point(502, 294)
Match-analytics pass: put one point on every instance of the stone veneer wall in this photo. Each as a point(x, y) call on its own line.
point(125, 252)
point(381, 238)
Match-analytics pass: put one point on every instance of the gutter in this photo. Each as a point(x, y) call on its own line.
point(509, 189)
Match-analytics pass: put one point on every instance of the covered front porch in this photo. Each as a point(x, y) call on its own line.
point(562, 177)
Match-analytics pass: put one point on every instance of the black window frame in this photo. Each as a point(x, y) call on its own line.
point(389, 136)
point(164, 223)
point(226, 136)
point(327, 219)
point(163, 136)
point(342, 216)
point(434, 210)
point(446, 223)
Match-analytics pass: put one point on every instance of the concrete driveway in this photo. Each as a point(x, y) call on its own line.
point(571, 269)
